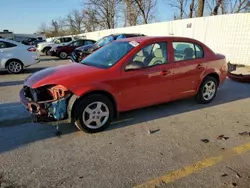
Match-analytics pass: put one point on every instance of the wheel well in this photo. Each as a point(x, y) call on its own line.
point(13, 59)
point(216, 76)
point(47, 47)
point(100, 92)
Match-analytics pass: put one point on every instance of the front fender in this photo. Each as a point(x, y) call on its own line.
point(84, 89)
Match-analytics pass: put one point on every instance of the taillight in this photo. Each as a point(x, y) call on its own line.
point(32, 49)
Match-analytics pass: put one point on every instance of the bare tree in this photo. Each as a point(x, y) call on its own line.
point(54, 28)
point(191, 8)
point(218, 4)
point(43, 28)
point(237, 6)
point(75, 21)
point(146, 8)
point(131, 13)
point(105, 11)
point(91, 22)
point(201, 5)
point(181, 6)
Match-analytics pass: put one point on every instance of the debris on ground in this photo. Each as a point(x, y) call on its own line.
point(245, 133)
point(205, 140)
point(237, 174)
point(234, 184)
point(246, 125)
point(223, 148)
point(222, 137)
point(224, 175)
point(153, 131)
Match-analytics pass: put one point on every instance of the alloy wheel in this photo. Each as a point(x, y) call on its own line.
point(15, 67)
point(209, 90)
point(95, 115)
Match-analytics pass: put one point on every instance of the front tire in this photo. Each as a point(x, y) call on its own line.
point(46, 51)
point(207, 90)
point(14, 66)
point(94, 113)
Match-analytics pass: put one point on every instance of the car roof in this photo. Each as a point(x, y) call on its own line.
point(148, 38)
point(11, 41)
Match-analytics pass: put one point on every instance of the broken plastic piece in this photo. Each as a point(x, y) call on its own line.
point(224, 175)
point(222, 137)
point(153, 131)
point(245, 133)
point(205, 140)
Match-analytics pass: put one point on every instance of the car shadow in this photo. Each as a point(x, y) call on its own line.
point(12, 137)
point(11, 83)
point(25, 71)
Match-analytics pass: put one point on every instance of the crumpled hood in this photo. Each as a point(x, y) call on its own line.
point(69, 76)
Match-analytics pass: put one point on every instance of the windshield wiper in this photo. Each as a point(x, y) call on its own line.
point(88, 64)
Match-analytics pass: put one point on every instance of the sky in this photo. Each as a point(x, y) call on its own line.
point(26, 16)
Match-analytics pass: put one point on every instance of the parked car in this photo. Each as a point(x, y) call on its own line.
point(15, 56)
point(64, 51)
point(124, 75)
point(83, 51)
point(32, 41)
point(45, 47)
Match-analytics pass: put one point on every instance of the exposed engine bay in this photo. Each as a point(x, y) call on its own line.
point(47, 103)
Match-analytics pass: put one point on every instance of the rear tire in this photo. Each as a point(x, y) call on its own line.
point(63, 55)
point(94, 113)
point(14, 66)
point(207, 90)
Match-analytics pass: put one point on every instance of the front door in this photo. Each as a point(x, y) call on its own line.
point(188, 63)
point(151, 83)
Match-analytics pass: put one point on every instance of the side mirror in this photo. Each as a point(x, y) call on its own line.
point(134, 66)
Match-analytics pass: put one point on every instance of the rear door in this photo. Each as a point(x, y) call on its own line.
point(6, 51)
point(188, 60)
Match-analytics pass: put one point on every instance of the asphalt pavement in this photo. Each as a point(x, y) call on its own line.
point(179, 144)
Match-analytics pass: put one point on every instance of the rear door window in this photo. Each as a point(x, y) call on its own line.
point(187, 51)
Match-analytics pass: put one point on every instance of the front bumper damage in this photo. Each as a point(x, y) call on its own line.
point(47, 104)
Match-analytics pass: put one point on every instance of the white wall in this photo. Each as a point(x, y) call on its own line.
point(226, 34)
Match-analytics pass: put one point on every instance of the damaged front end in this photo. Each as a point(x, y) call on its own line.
point(46, 103)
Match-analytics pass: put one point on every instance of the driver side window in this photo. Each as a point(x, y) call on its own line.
point(152, 55)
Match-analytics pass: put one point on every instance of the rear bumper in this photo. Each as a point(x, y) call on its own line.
point(239, 77)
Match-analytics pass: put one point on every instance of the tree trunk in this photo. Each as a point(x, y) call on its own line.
point(216, 8)
point(191, 9)
point(201, 8)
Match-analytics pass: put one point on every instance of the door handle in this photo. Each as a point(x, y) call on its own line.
point(165, 72)
point(199, 66)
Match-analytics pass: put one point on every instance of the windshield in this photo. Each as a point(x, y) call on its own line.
point(103, 41)
point(109, 55)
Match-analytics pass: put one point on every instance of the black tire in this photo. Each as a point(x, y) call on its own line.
point(82, 105)
point(11, 63)
point(199, 96)
point(61, 55)
point(46, 51)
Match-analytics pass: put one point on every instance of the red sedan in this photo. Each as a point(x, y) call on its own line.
point(124, 75)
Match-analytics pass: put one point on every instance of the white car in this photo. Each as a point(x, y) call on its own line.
point(15, 56)
point(45, 47)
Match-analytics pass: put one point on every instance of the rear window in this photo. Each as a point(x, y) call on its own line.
point(4, 44)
